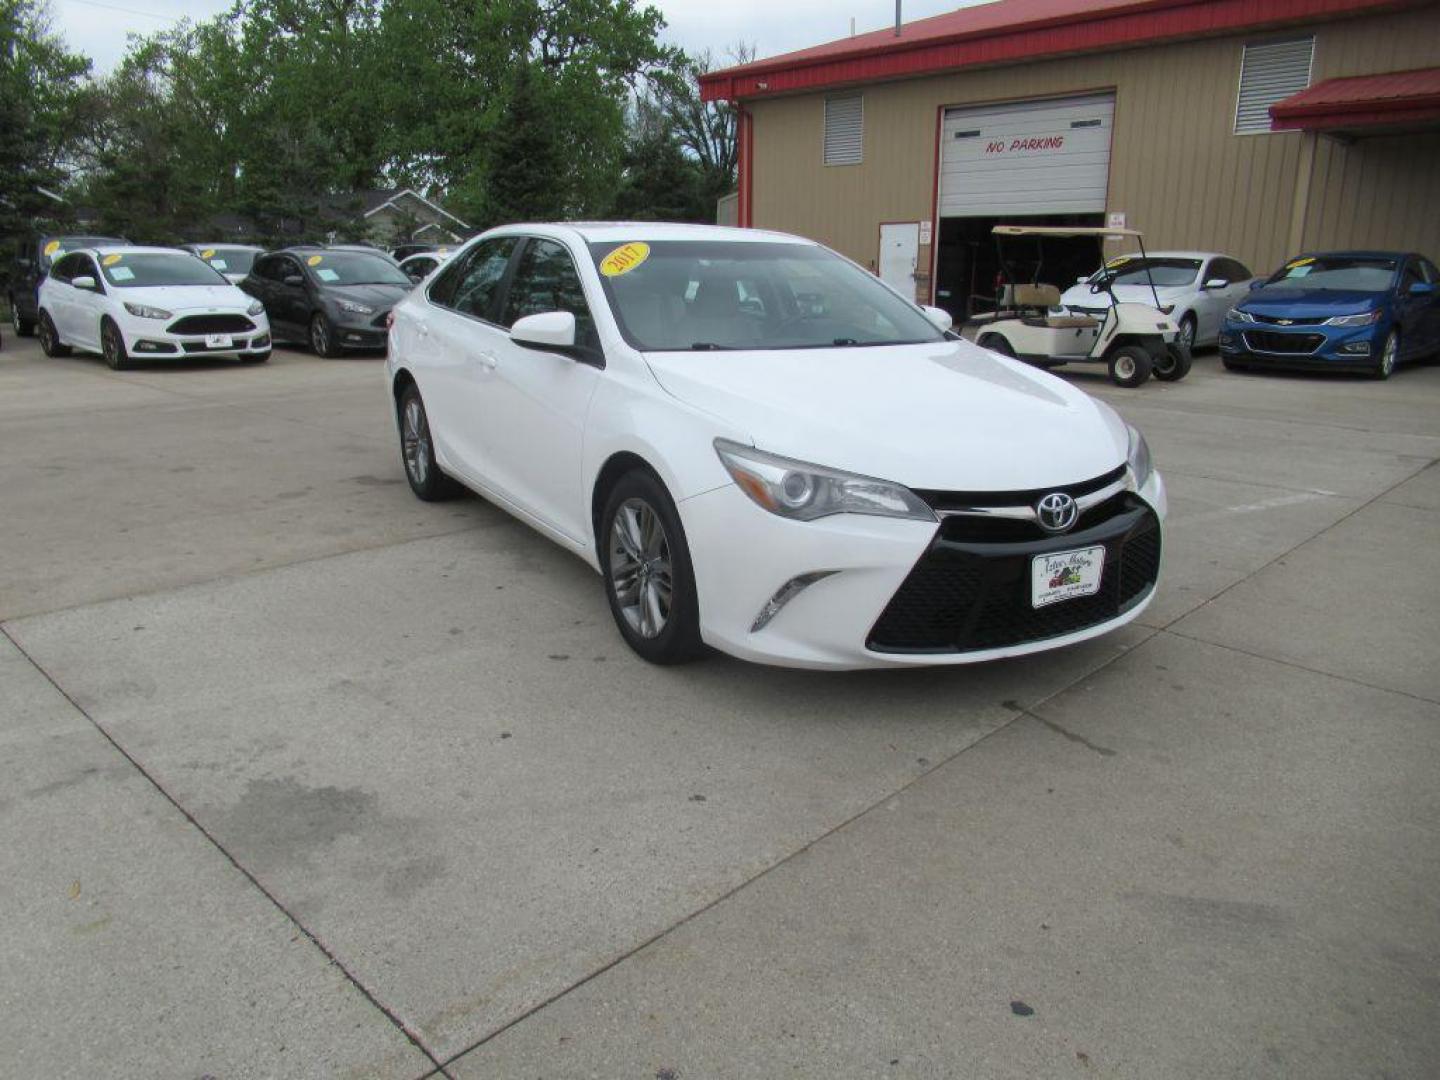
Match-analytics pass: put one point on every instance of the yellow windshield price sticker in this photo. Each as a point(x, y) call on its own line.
point(1119, 260)
point(1293, 263)
point(52, 247)
point(624, 259)
point(110, 260)
point(208, 253)
point(315, 260)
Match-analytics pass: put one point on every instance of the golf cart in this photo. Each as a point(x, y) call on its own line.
point(1133, 340)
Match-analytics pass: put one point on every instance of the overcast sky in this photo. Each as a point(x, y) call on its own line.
point(98, 28)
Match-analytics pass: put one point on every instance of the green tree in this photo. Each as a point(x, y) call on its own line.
point(41, 84)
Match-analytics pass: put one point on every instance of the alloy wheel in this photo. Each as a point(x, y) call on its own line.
point(1387, 357)
point(108, 346)
point(415, 442)
point(640, 568)
point(47, 336)
point(319, 336)
point(1187, 334)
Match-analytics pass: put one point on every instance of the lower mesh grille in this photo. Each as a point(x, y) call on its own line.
point(969, 597)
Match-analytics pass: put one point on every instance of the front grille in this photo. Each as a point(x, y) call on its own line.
point(1285, 320)
point(212, 324)
point(956, 500)
point(965, 596)
point(1289, 344)
point(201, 347)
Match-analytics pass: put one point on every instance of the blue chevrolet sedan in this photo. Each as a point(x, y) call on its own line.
point(1336, 311)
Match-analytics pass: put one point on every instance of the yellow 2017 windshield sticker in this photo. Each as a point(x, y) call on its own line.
point(208, 253)
point(1119, 260)
point(110, 260)
point(52, 247)
point(315, 260)
point(1293, 263)
point(624, 258)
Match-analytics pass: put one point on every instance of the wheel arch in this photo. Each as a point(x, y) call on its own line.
point(618, 464)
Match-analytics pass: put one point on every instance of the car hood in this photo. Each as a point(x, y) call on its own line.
point(1080, 295)
point(376, 296)
point(1279, 301)
point(186, 297)
point(948, 416)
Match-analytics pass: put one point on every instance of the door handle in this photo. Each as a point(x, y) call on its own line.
point(487, 361)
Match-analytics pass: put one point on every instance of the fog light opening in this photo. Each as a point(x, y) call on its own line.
point(787, 592)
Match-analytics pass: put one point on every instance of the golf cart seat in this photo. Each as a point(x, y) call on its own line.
point(1043, 298)
point(1065, 322)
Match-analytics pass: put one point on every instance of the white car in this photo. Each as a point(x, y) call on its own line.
point(127, 302)
point(762, 448)
point(424, 263)
point(1200, 285)
point(232, 260)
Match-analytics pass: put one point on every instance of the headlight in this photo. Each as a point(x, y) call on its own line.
point(794, 489)
point(145, 311)
point(1236, 315)
point(1138, 458)
point(1365, 318)
point(257, 308)
point(358, 309)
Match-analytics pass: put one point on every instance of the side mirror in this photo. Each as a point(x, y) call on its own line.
point(551, 331)
point(85, 282)
point(939, 318)
point(1216, 283)
point(294, 279)
point(1419, 288)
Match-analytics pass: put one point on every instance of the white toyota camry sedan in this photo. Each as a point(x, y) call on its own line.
point(128, 302)
point(762, 448)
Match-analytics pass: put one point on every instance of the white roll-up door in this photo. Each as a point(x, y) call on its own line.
point(1029, 157)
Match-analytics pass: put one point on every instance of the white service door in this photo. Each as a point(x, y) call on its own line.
point(899, 252)
point(1027, 158)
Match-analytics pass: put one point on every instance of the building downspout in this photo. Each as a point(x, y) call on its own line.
point(744, 137)
point(1305, 174)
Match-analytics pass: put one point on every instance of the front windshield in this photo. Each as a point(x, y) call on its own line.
point(229, 260)
point(698, 295)
point(1166, 272)
point(1361, 273)
point(354, 268)
point(144, 269)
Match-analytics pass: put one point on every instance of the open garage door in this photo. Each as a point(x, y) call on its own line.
point(1027, 158)
point(1034, 162)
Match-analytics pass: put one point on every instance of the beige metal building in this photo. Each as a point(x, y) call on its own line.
point(1258, 128)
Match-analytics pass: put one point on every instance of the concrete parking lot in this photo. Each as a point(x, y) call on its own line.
point(302, 777)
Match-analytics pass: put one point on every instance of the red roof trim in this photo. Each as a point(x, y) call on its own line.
point(972, 36)
point(1398, 97)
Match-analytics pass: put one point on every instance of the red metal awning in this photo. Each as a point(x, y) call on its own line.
point(1399, 99)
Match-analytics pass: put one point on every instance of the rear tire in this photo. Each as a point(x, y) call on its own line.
point(23, 327)
point(112, 346)
point(642, 543)
point(1175, 365)
point(1130, 366)
point(50, 338)
point(417, 451)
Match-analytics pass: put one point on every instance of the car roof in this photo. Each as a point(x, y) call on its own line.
point(133, 249)
point(1202, 255)
point(224, 244)
point(1355, 255)
point(599, 232)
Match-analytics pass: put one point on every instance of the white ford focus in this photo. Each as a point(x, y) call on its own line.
point(762, 448)
point(126, 302)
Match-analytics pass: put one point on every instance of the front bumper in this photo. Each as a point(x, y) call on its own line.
point(167, 337)
point(355, 331)
point(1310, 348)
point(742, 557)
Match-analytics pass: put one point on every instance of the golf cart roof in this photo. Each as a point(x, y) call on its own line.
point(1060, 230)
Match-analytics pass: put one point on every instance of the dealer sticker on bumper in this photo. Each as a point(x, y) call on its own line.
point(217, 341)
point(1064, 575)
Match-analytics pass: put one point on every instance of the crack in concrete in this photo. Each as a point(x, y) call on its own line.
point(1103, 751)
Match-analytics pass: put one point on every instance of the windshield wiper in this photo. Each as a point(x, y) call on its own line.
point(709, 346)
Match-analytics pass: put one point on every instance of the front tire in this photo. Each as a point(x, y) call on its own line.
point(112, 346)
point(50, 343)
point(322, 337)
point(1130, 366)
point(997, 344)
point(1186, 334)
point(417, 450)
point(1389, 356)
point(1175, 363)
point(649, 579)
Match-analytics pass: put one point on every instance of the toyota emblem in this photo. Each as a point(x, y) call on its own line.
point(1056, 512)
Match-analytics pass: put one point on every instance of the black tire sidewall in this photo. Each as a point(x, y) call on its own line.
point(997, 344)
point(1143, 365)
point(437, 485)
point(331, 350)
point(1182, 358)
point(50, 343)
point(680, 640)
